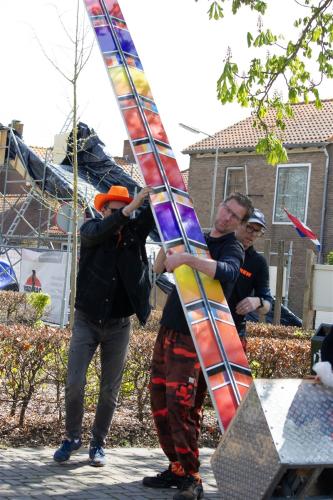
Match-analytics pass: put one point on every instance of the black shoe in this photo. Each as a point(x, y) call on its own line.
point(191, 489)
point(166, 479)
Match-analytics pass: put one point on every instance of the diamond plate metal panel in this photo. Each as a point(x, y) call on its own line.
point(299, 414)
point(280, 424)
point(246, 461)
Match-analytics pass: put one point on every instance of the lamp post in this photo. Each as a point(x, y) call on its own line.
point(197, 131)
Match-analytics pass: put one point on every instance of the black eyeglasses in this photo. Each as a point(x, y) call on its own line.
point(231, 212)
point(252, 230)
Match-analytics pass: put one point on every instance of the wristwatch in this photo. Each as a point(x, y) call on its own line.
point(261, 302)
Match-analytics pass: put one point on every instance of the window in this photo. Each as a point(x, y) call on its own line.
point(291, 192)
point(235, 180)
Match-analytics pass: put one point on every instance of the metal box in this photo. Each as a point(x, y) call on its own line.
point(278, 444)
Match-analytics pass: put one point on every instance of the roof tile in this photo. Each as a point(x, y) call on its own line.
point(308, 126)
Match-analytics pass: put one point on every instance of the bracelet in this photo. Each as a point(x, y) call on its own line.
point(261, 302)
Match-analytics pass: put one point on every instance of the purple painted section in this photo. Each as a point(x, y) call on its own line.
point(167, 221)
point(126, 42)
point(190, 223)
point(105, 39)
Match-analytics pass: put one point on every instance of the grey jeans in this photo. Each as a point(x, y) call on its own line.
point(113, 340)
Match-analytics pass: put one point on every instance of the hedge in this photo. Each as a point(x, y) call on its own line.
point(33, 363)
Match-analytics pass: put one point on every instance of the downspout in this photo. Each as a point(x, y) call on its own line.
point(323, 209)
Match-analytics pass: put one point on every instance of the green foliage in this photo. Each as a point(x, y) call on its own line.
point(39, 301)
point(216, 11)
point(137, 372)
point(24, 352)
point(34, 362)
point(276, 351)
point(255, 368)
point(26, 308)
point(286, 63)
point(329, 258)
point(272, 147)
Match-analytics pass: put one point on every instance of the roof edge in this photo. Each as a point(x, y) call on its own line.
point(251, 148)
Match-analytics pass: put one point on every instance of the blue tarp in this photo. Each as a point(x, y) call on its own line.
point(7, 276)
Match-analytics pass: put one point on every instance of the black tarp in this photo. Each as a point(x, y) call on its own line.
point(95, 166)
point(97, 170)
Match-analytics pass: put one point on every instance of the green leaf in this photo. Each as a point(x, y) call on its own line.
point(249, 39)
point(273, 149)
point(316, 34)
point(215, 11)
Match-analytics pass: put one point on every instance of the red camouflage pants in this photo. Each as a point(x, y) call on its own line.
point(178, 390)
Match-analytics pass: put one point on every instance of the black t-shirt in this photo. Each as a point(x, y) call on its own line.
point(229, 254)
point(253, 280)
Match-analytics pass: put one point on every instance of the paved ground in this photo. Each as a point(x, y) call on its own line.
point(31, 473)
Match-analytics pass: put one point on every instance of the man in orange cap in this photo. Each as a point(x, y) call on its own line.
point(112, 284)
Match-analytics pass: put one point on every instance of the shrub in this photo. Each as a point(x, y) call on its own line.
point(55, 367)
point(137, 371)
point(329, 258)
point(24, 352)
point(268, 331)
point(38, 302)
point(21, 307)
point(276, 351)
point(34, 360)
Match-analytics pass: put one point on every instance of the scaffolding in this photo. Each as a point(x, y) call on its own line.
point(27, 210)
point(29, 205)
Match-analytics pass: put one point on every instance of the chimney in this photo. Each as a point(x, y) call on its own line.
point(18, 126)
point(127, 152)
point(60, 147)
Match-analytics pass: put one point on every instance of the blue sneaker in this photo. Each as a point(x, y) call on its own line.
point(97, 456)
point(67, 447)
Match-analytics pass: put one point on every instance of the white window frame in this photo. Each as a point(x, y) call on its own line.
point(288, 165)
point(242, 167)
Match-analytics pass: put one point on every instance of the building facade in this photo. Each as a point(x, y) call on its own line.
point(303, 185)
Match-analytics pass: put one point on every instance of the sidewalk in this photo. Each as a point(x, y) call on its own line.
point(32, 473)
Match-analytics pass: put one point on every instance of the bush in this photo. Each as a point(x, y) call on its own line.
point(33, 362)
point(24, 353)
point(137, 372)
point(329, 258)
point(20, 307)
point(276, 351)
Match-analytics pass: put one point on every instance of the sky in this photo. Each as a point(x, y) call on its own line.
point(182, 52)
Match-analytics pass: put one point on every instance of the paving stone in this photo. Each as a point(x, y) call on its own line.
point(33, 474)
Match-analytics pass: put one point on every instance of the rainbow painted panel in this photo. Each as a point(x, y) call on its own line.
point(215, 337)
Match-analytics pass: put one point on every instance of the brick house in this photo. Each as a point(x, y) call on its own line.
point(304, 185)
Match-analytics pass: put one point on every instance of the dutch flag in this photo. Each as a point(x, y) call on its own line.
point(303, 230)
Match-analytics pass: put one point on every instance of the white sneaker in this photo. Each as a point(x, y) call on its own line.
point(97, 456)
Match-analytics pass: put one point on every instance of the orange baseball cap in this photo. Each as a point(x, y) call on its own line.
point(115, 193)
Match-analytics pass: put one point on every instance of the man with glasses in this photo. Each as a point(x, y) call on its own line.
point(251, 291)
point(112, 284)
point(178, 386)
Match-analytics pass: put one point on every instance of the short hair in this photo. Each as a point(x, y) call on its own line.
point(244, 201)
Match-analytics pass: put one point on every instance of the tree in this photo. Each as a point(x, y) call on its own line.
point(287, 66)
point(81, 52)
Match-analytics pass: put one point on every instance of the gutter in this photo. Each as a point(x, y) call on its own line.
point(323, 208)
point(251, 149)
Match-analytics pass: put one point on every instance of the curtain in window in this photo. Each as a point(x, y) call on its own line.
point(235, 180)
point(291, 192)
